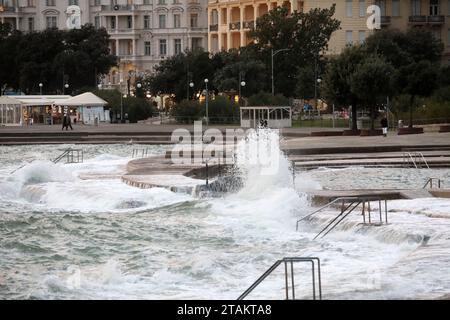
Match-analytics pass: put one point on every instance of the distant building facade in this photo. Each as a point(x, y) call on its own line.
point(230, 21)
point(143, 32)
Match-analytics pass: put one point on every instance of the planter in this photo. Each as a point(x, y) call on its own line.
point(407, 130)
point(326, 133)
point(444, 128)
point(351, 133)
point(370, 133)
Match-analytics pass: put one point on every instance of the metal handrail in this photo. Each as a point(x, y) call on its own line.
point(430, 182)
point(354, 202)
point(324, 207)
point(313, 261)
point(143, 151)
point(69, 153)
point(414, 161)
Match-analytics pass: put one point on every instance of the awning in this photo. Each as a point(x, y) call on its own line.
point(85, 99)
point(9, 100)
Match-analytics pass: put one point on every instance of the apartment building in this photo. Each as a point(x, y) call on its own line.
point(230, 21)
point(143, 32)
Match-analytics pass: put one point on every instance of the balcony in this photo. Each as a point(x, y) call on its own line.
point(214, 28)
point(418, 20)
point(385, 20)
point(10, 10)
point(249, 24)
point(118, 8)
point(436, 20)
point(235, 26)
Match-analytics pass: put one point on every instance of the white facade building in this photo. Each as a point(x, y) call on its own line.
point(143, 32)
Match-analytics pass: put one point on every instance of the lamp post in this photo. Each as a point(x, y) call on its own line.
point(242, 83)
point(66, 86)
point(138, 90)
point(40, 87)
point(121, 102)
point(207, 98)
point(273, 55)
point(316, 83)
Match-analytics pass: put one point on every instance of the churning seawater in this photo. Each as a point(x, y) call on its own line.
point(75, 231)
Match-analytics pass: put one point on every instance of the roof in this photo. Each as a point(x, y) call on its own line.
point(84, 99)
point(9, 100)
point(38, 100)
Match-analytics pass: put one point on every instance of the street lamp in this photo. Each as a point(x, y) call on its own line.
point(316, 83)
point(207, 97)
point(121, 102)
point(242, 83)
point(99, 86)
point(40, 87)
point(66, 86)
point(273, 55)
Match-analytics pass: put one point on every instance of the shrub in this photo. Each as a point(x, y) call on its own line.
point(266, 99)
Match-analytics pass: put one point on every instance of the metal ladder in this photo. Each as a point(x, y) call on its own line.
point(71, 155)
point(315, 276)
point(413, 158)
point(430, 183)
point(348, 205)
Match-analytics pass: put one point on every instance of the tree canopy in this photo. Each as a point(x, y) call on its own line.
point(54, 57)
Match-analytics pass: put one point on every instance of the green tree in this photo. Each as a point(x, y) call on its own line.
point(266, 99)
point(418, 79)
point(54, 57)
point(306, 35)
point(371, 82)
point(245, 62)
point(416, 56)
point(9, 48)
point(186, 111)
point(173, 75)
point(338, 78)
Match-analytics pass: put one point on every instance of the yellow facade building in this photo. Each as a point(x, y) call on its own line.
point(230, 21)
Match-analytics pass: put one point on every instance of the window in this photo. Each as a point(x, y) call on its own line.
point(415, 7)
point(349, 37)
point(147, 48)
point(362, 37)
point(194, 20)
point(97, 22)
point(162, 47)
point(162, 21)
point(73, 2)
point(434, 7)
point(97, 2)
point(176, 21)
point(113, 23)
point(31, 3)
point(177, 46)
point(129, 22)
point(348, 8)
point(395, 8)
point(31, 24)
point(147, 1)
point(196, 43)
point(50, 3)
point(51, 22)
point(147, 22)
point(362, 8)
point(382, 5)
point(161, 2)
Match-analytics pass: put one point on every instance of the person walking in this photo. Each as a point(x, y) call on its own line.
point(384, 125)
point(64, 122)
point(69, 123)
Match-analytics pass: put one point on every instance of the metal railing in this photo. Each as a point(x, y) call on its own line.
point(348, 205)
point(140, 153)
point(71, 155)
point(430, 183)
point(315, 276)
point(414, 158)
